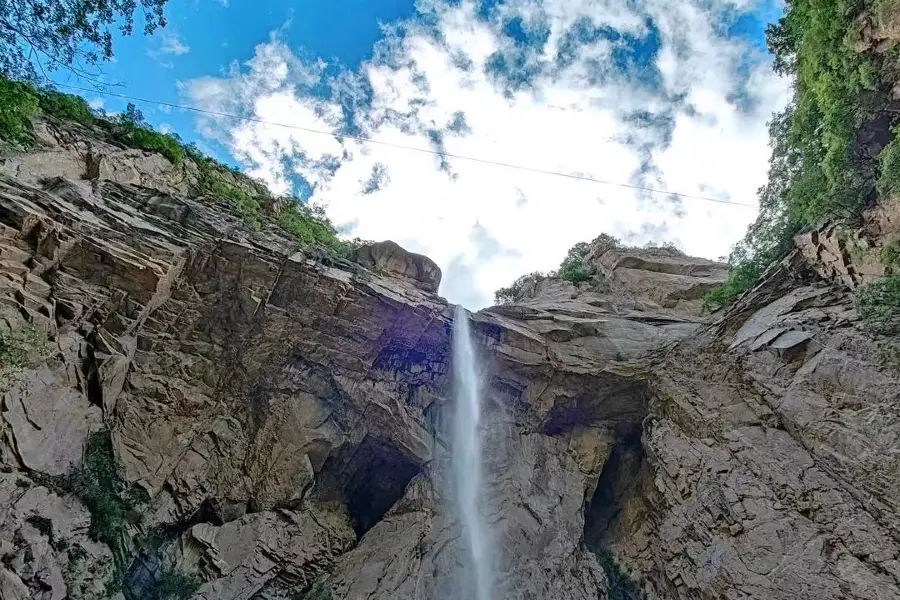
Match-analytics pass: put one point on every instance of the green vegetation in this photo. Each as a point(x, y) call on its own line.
point(319, 591)
point(111, 504)
point(308, 225)
point(173, 585)
point(17, 351)
point(19, 101)
point(621, 586)
point(246, 206)
point(888, 355)
point(516, 291)
point(890, 257)
point(17, 105)
point(878, 304)
point(132, 130)
point(44, 35)
point(574, 267)
point(889, 166)
point(66, 106)
point(821, 166)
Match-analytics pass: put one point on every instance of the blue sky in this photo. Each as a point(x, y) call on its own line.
point(203, 37)
point(668, 94)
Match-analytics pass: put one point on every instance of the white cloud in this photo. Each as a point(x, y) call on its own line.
point(164, 108)
point(171, 43)
point(96, 103)
point(485, 224)
point(165, 128)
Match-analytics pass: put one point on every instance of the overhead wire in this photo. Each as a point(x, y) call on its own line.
point(367, 140)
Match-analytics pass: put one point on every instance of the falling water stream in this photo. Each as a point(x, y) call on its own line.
point(466, 462)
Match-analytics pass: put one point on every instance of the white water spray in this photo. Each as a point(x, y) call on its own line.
point(466, 462)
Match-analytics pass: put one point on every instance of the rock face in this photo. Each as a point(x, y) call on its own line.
point(277, 418)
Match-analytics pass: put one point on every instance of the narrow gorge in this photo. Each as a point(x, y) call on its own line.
point(193, 407)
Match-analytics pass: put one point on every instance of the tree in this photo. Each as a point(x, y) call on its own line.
point(39, 36)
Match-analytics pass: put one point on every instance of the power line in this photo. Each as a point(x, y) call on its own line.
point(405, 147)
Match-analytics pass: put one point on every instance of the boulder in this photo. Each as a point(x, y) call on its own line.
point(389, 257)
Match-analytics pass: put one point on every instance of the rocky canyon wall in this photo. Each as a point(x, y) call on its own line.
point(196, 409)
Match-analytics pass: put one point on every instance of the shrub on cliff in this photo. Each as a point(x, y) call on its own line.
point(171, 584)
point(818, 168)
point(111, 503)
point(573, 267)
point(889, 167)
point(132, 130)
point(319, 591)
point(621, 586)
point(308, 225)
point(516, 290)
point(66, 106)
point(245, 205)
point(18, 351)
point(18, 104)
point(878, 304)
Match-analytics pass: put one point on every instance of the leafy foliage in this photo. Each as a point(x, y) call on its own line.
point(890, 257)
point(604, 242)
point(48, 35)
point(16, 351)
point(173, 585)
point(878, 304)
point(132, 130)
point(621, 586)
point(832, 99)
point(18, 104)
point(889, 166)
point(574, 271)
point(575, 267)
point(819, 167)
point(319, 591)
point(308, 224)
point(111, 504)
point(888, 355)
point(666, 248)
point(247, 207)
point(516, 290)
point(66, 106)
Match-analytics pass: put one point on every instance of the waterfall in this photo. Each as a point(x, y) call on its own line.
point(467, 465)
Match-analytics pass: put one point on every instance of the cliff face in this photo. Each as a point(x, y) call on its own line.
point(195, 409)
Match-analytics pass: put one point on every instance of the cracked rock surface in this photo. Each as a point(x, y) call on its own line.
point(282, 415)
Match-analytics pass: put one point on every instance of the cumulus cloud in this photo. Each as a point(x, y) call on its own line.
point(650, 94)
point(170, 44)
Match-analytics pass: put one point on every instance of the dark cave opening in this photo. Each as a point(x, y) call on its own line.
point(368, 479)
point(615, 507)
point(619, 481)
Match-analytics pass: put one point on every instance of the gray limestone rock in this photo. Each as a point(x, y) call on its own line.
point(287, 412)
